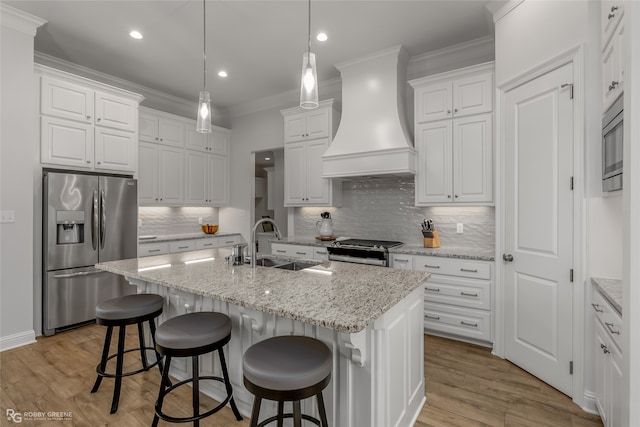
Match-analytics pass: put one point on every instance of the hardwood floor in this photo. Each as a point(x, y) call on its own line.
point(466, 386)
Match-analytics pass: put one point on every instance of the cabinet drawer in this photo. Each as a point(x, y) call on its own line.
point(450, 267)
point(608, 316)
point(279, 249)
point(460, 292)
point(320, 254)
point(229, 240)
point(207, 243)
point(301, 251)
point(182, 246)
point(402, 262)
point(149, 249)
point(458, 321)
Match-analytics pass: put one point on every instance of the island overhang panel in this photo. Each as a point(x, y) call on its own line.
point(370, 317)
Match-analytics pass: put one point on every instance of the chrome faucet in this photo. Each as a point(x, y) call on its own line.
point(252, 243)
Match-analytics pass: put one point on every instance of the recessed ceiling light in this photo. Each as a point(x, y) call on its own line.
point(267, 158)
point(322, 37)
point(136, 34)
point(222, 73)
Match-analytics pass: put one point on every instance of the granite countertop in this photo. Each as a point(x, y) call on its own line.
point(611, 290)
point(176, 237)
point(479, 253)
point(341, 296)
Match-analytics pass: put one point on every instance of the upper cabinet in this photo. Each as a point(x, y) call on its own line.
point(454, 137)
point(179, 166)
point(308, 134)
point(613, 43)
point(453, 97)
point(86, 125)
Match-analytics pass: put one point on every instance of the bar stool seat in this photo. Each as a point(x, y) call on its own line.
point(191, 335)
point(287, 368)
point(123, 311)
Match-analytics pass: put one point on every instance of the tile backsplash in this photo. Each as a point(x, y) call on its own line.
point(384, 208)
point(173, 220)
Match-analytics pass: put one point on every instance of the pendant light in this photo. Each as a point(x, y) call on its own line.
point(203, 124)
point(309, 79)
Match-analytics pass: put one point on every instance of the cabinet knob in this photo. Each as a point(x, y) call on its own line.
point(88, 161)
point(161, 139)
point(99, 163)
point(456, 196)
point(88, 117)
point(448, 196)
point(613, 85)
point(156, 138)
point(611, 15)
point(156, 199)
point(507, 257)
point(448, 111)
point(98, 119)
point(596, 307)
point(614, 8)
point(605, 350)
point(161, 199)
point(455, 110)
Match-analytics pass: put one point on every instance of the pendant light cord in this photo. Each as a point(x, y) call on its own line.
point(309, 38)
point(204, 39)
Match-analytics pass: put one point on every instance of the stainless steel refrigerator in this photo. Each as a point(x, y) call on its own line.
point(86, 219)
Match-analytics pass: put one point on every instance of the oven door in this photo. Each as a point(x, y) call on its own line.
point(359, 256)
point(612, 153)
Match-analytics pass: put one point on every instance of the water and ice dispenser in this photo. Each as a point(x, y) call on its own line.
point(70, 227)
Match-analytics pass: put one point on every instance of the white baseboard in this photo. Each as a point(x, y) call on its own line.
point(589, 403)
point(17, 340)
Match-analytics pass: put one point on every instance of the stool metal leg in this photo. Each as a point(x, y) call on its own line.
point(227, 384)
point(163, 384)
point(103, 360)
point(195, 389)
point(143, 354)
point(321, 410)
point(297, 417)
point(280, 412)
point(119, 366)
point(152, 328)
point(255, 412)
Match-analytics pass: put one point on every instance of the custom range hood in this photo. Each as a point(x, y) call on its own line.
point(372, 138)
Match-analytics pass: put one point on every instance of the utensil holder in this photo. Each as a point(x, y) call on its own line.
point(431, 239)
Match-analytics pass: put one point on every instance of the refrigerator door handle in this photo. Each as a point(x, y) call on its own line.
point(80, 273)
point(103, 219)
point(94, 220)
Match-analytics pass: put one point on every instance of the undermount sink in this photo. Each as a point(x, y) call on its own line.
point(285, 264)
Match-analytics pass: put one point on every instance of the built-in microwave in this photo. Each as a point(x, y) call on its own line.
point(612, 147)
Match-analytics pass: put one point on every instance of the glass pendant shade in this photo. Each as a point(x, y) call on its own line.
point(203, 124)
point(309, 82)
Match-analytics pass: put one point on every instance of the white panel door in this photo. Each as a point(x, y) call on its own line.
point(68, 143)
point(148, 128)
point(539, 227)
point(434, 102)
point(317, 186)
point(197, 173)
point(116, 112)
point(148, 173)
point(171, 132)
point(318, 123)
point(295, 127)
point(219, 141)
point(473, 159)
point(197, 140)
point(473, 95)
point(218, 180)
point(115, 150)
point(434, 177)
point(294, 174)
point(171, 172)
point(66, 100)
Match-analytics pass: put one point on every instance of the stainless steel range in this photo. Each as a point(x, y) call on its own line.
point(361, 251)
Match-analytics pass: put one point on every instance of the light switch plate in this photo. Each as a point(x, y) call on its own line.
point(7, 216)
point(460, 228)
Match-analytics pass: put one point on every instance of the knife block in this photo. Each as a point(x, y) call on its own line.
point(431, 239)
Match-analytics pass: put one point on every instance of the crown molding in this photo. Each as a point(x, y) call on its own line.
point(505, 10)
point(20, 21)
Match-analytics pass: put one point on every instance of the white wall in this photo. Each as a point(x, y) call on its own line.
point(17, 147)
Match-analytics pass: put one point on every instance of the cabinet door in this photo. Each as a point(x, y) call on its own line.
point(295, 127)
point(433, 102)
point(197, 174)
point(66, 100)
point(171, 132)
point(318, 123)
point(402, 262)
point(473, 95)
point(473, 159)
point(294, 174)
point(317, 187)
point(320, 254)
point(196, 140)
point(148, 128)
point(116, 112)
point(219, 141)
point(611, 13)
point(434, 177)
point(207, 243)
point(613, 68)
point(601, 364)
point(225, 241)
point(64, 142)
point(148, 178)
point(171, 172)
point(616, 381)
point(115, 150)
point(182, 246)
point(218, 180)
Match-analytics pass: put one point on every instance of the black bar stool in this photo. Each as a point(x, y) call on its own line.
point(123, 311)
point(191, 335)
point(287, 368)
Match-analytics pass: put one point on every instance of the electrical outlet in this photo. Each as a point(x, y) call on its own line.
point(7, 216)
point(200, 220)
point(460, 228)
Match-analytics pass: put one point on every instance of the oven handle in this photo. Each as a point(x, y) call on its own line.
point(368, 261)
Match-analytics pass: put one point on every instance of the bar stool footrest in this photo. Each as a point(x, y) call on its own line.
point(126, 374)
point(289, 415)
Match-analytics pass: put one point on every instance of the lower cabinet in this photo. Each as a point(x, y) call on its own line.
point(458, 296)
point(175, 246)
point(300, 251)
point(608, 361)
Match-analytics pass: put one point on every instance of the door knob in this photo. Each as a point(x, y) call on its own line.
point(507, 257)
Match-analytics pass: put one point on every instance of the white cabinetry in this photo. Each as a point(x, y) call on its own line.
point(86, 125)
point(318, 253)
point(172, 175)
point(454, 137)
point(307, 137)
point(608, 360)
point(613, 42)
point(457, 296)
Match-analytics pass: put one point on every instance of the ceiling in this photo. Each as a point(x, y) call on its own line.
point(259, 43)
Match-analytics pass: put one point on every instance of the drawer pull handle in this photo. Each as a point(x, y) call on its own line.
point(432, 317)
point(596, 307)
point(183, 247)
point(301, 253)
point(462, 322)
point(321, 253)
point(605, 350)
point(468, 270)
point(431, 266)
point(208, 244)
point(610, 327)
point(432, 289)
point(400, 260)
point(280, 251)
point(154, 250)
point(228, 241)
point(468, 294)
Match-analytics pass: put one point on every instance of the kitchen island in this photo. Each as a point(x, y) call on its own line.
point(370, 317)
